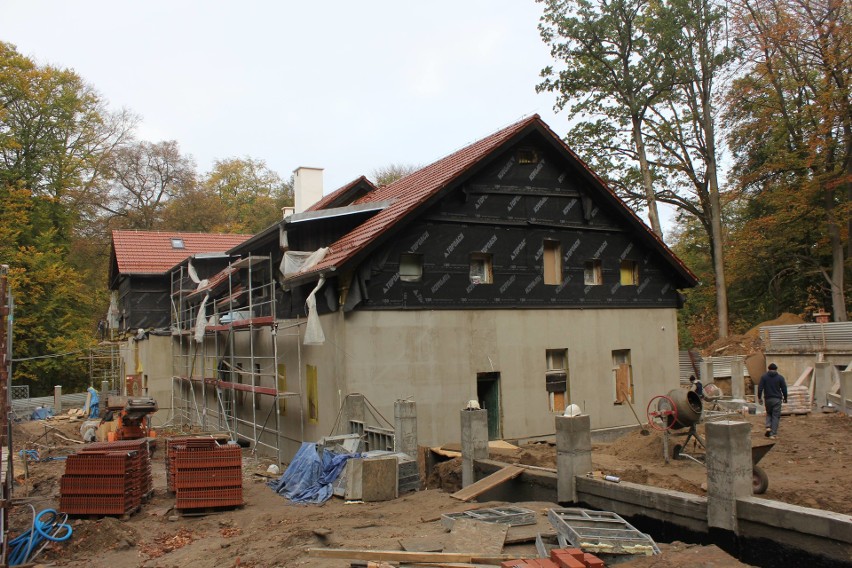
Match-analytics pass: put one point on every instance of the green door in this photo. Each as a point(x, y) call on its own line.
point(488, 393)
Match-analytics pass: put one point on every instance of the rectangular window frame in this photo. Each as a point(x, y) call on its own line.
point(481, 268)
point(557, 380)
point(552, 262)
point(629, 273)
point(312, 391)
point(593, 273)
point(622, 373)
point(411, 267)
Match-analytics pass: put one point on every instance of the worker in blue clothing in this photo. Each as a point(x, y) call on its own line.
point(773, 389)
point(95, 404)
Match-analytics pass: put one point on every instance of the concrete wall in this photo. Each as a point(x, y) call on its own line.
point(434, 357)
point(792, 365)
point(151, 358)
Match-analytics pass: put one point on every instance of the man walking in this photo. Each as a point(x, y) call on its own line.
point(773, 389)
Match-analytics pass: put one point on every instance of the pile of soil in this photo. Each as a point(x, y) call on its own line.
point(750, 341)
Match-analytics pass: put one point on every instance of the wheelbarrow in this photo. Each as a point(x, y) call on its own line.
point(681, 409)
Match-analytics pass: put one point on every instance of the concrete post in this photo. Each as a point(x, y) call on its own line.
point(474, 441)
point(729, 474)
point(573, 454)
point(405, 427)
point(737, 379)
point(104, 393)
point(845, 391)
point(354, 408)
point(57, 400)
point(705, 368)
point(822, 382)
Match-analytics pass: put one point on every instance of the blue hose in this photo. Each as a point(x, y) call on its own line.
point(22, 547)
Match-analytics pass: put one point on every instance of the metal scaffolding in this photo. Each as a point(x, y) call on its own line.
point(105, 365)
point(225, 353)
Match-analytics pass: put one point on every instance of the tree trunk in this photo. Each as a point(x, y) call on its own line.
point(715, 220)
point(647, 182)
point(838, 295)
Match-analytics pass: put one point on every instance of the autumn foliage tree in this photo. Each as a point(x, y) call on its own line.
point(55, 134)
point(790, 113)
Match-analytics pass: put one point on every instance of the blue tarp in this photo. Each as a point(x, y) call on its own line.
point(41, 413)
point(309, 476)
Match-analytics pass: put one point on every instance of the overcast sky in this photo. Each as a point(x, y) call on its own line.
point(346, 86)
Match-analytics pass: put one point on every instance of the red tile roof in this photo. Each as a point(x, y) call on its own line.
point(151, 252)
point(413, 191)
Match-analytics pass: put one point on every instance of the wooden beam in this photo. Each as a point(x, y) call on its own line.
point(805, 373)
point(404, 556)
point(500, 476)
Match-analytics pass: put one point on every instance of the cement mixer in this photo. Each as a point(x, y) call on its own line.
point(682, 409)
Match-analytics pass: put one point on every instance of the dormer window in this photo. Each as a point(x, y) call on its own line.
point(177, 243)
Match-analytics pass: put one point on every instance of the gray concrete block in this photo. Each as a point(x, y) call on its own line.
point(729, 468)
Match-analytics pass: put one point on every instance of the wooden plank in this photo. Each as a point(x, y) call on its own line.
point(422, 543)
point(476, 537)
point(805, 373)
point(404, 556)
point(476, 489)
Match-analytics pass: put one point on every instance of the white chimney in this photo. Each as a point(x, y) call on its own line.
point(307, 187)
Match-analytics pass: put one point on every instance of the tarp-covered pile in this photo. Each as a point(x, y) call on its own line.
point(309, 477)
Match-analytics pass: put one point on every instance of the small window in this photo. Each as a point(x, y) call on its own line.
point(629, 273)
point(552, 262)
point(527, 156)
point(480, 268)
point(177, 243)
point(410, 267)
point(313, 393)
point(592, 274)
point(623, 375)
point(556, 379)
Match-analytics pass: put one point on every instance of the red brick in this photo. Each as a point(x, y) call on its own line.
point(592, 561)
point(564, 559)
point(546, 563)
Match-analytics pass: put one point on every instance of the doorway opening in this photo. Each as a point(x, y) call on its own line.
point(488, 394)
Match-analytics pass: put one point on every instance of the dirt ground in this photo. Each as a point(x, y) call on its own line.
point(808, 466)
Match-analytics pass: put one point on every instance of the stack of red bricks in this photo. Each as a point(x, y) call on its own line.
point(171, 444)
point(145, 447)
point(204, 474)
point(102, 483)
point(559, 558)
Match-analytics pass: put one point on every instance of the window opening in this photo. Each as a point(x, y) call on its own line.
point(556, 379)
point(410, 267)
point(552, 262)
point(313, 395)
point(178, 243)
point(480, 268)
point(623, 376)
point(629, 273)
point(527, 156)
point(592, 273)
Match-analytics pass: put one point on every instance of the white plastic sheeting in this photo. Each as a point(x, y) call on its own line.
point(296, 261)
point(313, 330)
point(193, 275)
point(201, 320)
